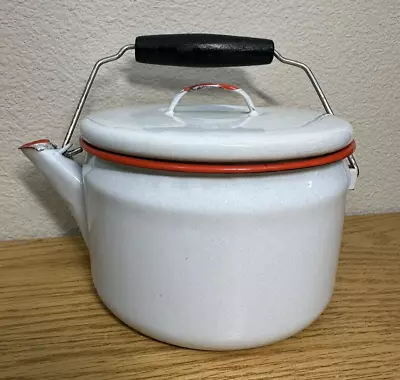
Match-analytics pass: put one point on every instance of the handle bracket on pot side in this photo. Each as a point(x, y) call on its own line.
point(199, 50)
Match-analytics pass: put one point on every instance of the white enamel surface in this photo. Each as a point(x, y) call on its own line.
point(215, 262)
point(65, 176)
point(220, 133)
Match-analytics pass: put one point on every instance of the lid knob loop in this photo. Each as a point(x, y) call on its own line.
point(229, 87)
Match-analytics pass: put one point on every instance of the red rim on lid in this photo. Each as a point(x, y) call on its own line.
point(190, 167)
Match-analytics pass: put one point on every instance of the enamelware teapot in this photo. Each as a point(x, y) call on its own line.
point(212, 226)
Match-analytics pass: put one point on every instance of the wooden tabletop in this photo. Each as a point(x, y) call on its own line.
point(53, 326)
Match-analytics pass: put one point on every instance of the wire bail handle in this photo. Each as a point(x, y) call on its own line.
point(70, 153)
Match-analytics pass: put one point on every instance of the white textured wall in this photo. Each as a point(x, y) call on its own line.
point(47, 48)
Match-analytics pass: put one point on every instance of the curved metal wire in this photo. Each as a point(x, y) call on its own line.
point(352, 161)
point(85, 94)
point(310, 75)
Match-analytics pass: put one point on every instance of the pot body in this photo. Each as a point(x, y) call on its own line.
point(214, 262)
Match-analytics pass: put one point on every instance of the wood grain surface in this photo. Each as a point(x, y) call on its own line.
point(53, 326)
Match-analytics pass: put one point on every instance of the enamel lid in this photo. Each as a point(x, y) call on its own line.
point(216, 133)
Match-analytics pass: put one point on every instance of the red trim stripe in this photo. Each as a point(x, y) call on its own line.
point(190, 167)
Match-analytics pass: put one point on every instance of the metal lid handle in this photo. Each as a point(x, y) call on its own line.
point(229, 87)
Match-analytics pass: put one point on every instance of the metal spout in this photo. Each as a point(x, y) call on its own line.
point(64, 174)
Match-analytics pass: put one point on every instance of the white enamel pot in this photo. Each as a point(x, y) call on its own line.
point(202, 233)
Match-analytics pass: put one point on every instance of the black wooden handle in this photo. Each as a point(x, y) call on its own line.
point(203, 50)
